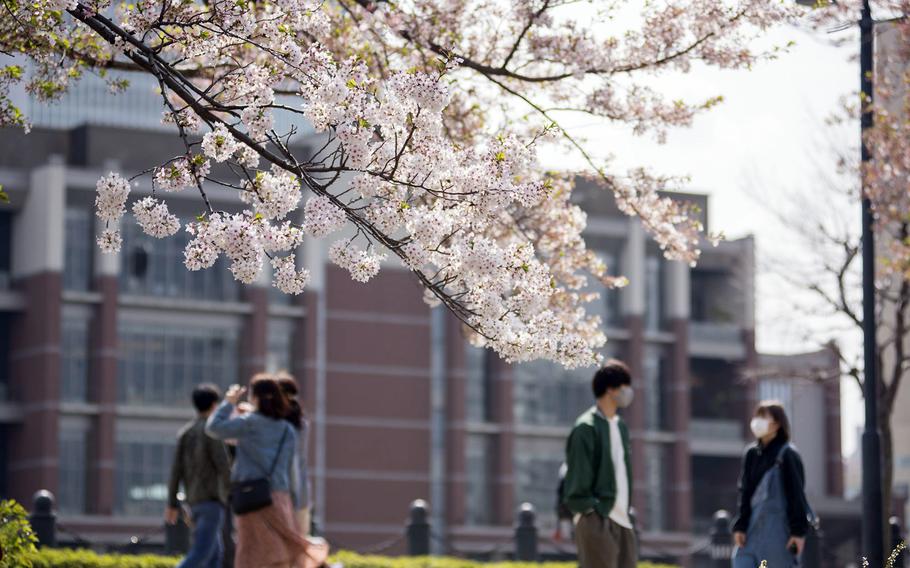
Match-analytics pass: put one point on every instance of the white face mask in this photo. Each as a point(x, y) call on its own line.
point(760, 426)
point(624, 396)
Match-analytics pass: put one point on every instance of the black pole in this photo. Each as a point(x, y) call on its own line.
point(873, 515)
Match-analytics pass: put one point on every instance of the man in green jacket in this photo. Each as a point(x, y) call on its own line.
point(598, 483)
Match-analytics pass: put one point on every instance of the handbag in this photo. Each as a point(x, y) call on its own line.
point(255, 494)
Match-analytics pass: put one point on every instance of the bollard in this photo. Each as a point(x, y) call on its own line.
point(721, 547)
point(900, 559)
point(43, 518)
point(177, 536)
point(526, 534)
point(419, 529)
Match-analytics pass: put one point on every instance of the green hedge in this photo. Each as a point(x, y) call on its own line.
point(61, 558)
point(64, 558)
point(352, 560)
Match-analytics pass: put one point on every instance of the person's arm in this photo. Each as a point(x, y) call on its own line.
point(218, 453)
point(794, 477)
point(741, 525)
point(173, 486)
point(221, 426)
point(578, 496)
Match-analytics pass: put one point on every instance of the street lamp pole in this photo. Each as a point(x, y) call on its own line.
point(873, 514)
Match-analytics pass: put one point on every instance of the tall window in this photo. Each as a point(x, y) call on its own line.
point(480, 468)
point(479, 387)
point(537, 462)
point(73, 463)
point(75, 359)
point(657, 416)
point(141, 476)
point(610, 296)
point(154, 267)
point(5, 336)
point(546, 394)
point(658, 488)
point(654, 299)
point(77, 263)
point(607, 306)
point(280, 338)
point(6, 255)
point(160, 365)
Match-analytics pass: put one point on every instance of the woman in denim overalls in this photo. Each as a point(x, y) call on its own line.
point(773, 511)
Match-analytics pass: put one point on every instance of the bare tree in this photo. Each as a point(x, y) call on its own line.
point(820, 273)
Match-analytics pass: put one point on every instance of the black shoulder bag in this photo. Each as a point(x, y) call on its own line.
point(255, 494)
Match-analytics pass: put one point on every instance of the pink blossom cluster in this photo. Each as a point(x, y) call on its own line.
point(426, 159)
point(287, 277)
point(154, 218)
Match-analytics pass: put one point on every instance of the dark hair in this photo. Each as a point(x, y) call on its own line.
point(205, 396)
point(775, 411)
point(272, 402)
point(290, 390)
point(613, 374)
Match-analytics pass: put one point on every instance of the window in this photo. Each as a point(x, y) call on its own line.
point(77, 265)
point(73, 462)
point(654, 298)
point(715, 393)
point(537, 462)
point(779, 390)
point(75, 360)
point(658, 486)
point(546, 394)
point(5, 337)
point(610, 298)
point(160, 365)
point(607, 306)
point(154, 267)
point(141, 476)
point(6, 240)
point(714, 296)
point(479, 387)
point(656, 369)
point(480, 467)
point(279, 341)
point(713, 488)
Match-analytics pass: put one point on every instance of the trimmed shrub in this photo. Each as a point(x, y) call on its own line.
point(17, 540)
point(62, 558)
point(65, 558)
point(352, 560)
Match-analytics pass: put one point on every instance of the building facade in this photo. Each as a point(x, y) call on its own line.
point(103, 351)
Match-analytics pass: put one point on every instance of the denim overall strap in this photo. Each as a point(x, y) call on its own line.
point(769, 528)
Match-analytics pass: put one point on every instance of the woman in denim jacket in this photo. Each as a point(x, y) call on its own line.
point(267, 537)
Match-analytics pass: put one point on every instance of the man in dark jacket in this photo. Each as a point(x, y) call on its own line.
point(598, 483)
point(202, 467)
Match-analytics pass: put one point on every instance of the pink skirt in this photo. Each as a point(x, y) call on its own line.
point(270, 536)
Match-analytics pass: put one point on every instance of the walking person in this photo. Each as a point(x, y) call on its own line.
point(774, 515)
point(202, 467)
point(598, 482)
point(267, 535)
point(300, 481)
